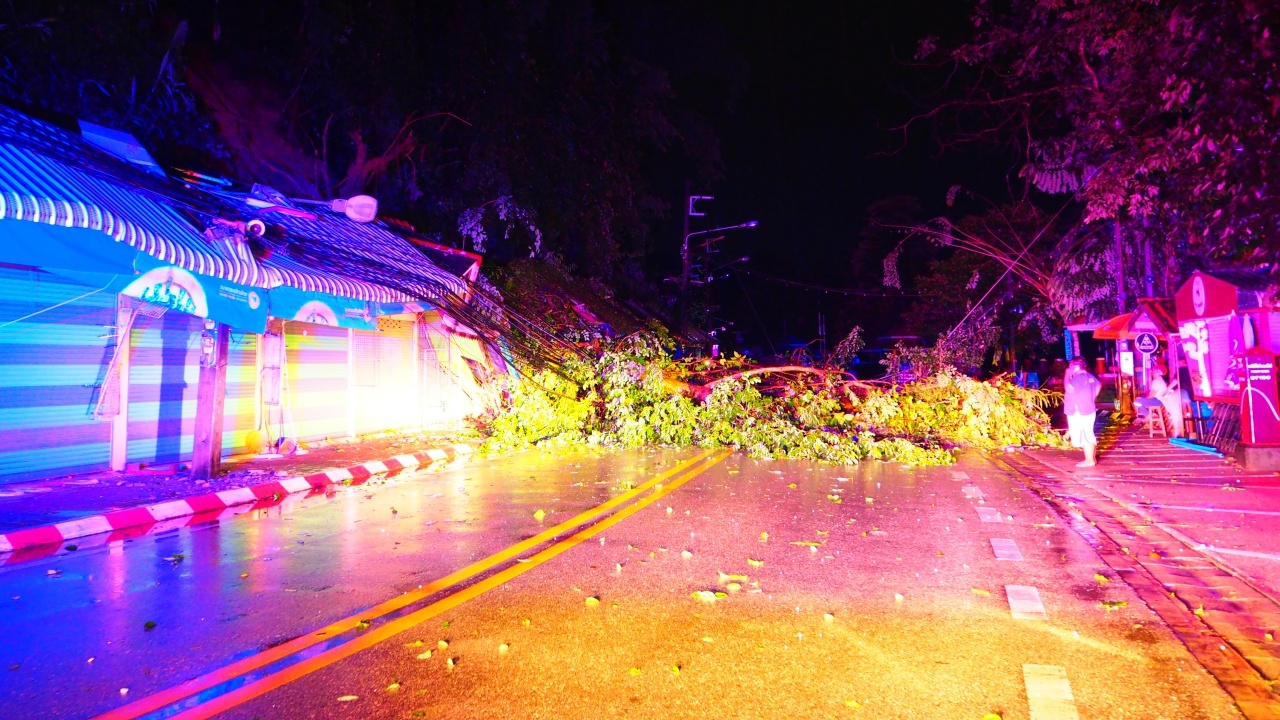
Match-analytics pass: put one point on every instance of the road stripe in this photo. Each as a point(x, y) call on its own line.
point(1231, 481)
point(1049, 693)
point(1024, 602)
point(959, 475)
point(1225, 511)
point(1241, 553)
point(161, 699)
point(388, 630)
point(972, 492)
point(1005, 549)
point(987, 514)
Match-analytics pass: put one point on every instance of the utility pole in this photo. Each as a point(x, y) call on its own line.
point(686, 260)
point(707, 279)
point(211, 394)
point(686, 203)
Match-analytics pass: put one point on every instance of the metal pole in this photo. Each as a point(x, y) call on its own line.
point(211, 393)
point(706, 294)
point(684, 258)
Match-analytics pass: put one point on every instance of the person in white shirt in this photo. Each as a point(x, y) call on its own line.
point(1154, 393)
point(1080, 391)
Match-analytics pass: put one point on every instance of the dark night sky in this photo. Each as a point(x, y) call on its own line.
point(809, 146)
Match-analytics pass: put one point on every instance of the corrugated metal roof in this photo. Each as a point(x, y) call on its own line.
point(40, 181)
point(368, 249)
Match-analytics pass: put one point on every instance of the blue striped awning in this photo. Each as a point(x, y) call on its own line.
point(290, 273)
point(37, 186)
point(53, 176)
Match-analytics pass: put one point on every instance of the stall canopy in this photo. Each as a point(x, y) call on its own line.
point(1117, 328)
point(1154, 315)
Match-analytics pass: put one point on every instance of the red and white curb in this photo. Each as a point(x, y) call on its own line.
point(31, 543)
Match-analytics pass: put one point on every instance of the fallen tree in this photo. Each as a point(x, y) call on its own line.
point(636, 394)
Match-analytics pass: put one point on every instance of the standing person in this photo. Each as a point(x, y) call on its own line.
point(1080, 390)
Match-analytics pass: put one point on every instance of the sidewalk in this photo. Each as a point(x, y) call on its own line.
point(28, 505)
point(1198, 539)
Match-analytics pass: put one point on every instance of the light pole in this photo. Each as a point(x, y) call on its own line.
point(686, 267)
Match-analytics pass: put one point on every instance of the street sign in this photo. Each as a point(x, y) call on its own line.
point(1146, 343)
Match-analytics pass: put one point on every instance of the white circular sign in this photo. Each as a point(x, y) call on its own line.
point(1146, 343)
point(1197, 295)
point(254, 300)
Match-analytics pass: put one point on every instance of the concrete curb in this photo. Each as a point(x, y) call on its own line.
point(30, 543)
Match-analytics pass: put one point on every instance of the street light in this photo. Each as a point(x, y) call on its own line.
point(687, 269)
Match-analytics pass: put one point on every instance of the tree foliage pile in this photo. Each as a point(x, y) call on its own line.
point(635, 394)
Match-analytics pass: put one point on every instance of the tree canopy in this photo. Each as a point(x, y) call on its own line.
point(1167, 113)
point(512, 127)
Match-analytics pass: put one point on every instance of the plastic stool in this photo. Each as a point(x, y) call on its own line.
point(1156, 422)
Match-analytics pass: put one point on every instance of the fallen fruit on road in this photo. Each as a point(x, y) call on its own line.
point(348, 698)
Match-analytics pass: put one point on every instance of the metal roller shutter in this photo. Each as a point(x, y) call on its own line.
point(56, 342)
point(164, 369)
point(385, 383)
point(238, 413)
point(315, 383)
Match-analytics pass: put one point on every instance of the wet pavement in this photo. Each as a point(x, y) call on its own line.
point(74, 627)
point(727, 586)
point(1196, 535)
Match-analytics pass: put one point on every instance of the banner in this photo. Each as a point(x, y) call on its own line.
point(321, 309)
point(239, 306)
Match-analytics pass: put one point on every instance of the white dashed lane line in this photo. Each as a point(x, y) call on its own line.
point(987, 514)
point(1024, 602)
point(972, 491)
point(959, 475)
point(1005, 549)
point(1049, 693)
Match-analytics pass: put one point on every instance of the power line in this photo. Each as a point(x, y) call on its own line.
point(759, 322)
point(823, 288)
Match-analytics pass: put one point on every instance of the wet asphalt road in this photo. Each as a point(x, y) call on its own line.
point(875, 593)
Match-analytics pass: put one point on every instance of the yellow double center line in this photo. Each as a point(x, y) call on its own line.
point(699, 464)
